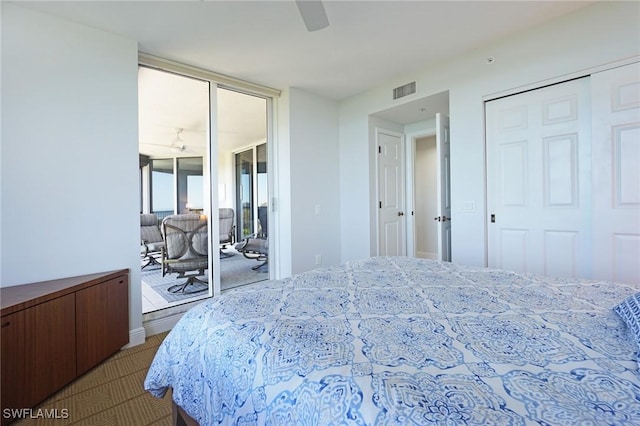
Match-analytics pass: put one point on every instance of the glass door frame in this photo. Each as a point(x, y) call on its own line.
point(210, 175)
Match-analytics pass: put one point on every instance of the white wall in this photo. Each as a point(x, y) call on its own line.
point(69, 152)
point(593, 36)
point(314, 180)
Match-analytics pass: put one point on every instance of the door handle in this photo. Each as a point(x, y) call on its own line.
point(437, 218)
point(400, 213)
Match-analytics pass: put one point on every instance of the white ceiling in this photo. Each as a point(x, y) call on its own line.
point(266, 42)
point(367, 43)
point(172, 106)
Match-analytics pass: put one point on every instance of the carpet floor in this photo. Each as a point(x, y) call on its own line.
point(111, 394)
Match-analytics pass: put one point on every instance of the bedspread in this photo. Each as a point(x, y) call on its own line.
point(401, 341)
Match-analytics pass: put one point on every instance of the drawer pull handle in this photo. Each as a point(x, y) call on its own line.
point(6, 324)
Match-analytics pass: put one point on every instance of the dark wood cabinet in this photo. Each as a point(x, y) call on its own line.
point(12, 356)
point(49, 347)
point(102, 325)
point(54, 331)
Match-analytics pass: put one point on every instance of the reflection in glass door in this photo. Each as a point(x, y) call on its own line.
point(262, 193)
point(173, 122)
point(244, 194)
point(242, 186)
point(190, 190)
point(162, 201)
point(252, 195)
point(252, 201)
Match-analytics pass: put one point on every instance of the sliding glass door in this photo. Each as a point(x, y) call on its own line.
point(243, 184)
point(191, 130)
point(174, 121)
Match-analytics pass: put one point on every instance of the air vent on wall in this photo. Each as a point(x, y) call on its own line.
point(407, 89)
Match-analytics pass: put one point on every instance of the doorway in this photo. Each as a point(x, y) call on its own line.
point(425, 117)
point(243, 147)
point(174, 120)
point(425, 198)
point(425, 229)
point(185, 169)
point(429, 184)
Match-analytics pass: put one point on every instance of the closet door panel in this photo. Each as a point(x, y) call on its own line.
point(615, 106)
point(538, 180)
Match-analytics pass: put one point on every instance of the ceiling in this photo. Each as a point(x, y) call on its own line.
point(173, 116)
point(366, 44)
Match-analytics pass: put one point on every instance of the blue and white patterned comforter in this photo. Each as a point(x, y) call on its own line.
point(403, 341)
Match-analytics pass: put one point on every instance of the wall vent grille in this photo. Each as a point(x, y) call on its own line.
point(405, 90)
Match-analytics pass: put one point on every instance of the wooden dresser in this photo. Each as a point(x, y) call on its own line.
point(54, 331)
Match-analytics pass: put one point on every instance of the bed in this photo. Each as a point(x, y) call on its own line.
point(405, 341)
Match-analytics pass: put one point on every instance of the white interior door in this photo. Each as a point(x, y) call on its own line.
point(538, 180)
point(615, 103)
point(443, 173)
point(391, 218)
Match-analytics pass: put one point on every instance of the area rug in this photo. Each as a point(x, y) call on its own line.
point(235, 271)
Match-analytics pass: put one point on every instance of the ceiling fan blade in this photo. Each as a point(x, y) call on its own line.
point(313, 14)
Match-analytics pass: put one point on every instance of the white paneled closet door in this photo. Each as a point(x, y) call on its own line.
point(563, 178)
point(539, 180)
point(615, 108)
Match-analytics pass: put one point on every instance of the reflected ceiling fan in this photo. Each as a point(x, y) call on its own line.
point(313, 14)
point(177, 144)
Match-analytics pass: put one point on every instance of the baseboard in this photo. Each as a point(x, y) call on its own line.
point(151, 328)
point(136, 337)
point(160, 325)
